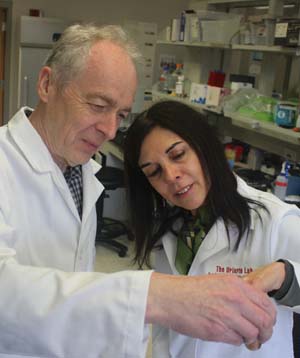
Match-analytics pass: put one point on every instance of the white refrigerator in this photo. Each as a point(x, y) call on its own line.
point(37, 37)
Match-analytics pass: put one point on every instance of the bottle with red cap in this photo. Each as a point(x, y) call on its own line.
point(281, 181)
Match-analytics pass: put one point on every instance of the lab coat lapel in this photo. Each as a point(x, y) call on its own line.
point(92, 188)
point(215, 241)
point(62, 186)
point(41, 161)
point(26, 137)
point(169, 242)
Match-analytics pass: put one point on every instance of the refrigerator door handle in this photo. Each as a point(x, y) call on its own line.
point(25, 91)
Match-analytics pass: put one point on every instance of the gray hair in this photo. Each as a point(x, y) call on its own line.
point(70, 52)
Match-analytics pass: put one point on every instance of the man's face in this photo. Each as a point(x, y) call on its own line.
point(88, 110)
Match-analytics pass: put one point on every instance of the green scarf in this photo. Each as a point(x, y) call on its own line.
point(190, 237)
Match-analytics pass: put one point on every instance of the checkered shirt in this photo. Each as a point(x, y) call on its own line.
point(73, 176)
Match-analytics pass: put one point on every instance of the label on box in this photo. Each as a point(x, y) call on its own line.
point(194, 28)
point(198, 93)
point(281, 29)
point(213, 96)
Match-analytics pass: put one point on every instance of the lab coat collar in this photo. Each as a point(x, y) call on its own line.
point(246, 191)
point(40, 159)
point(215, 241)
point(92, 188)
point(26, 138)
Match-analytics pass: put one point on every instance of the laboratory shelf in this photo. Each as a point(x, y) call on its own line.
point(156, 95)
point(262, 134)
point(194, 44)
point(257, 48)
point(264, 48)
point(238, 3)
point(266, 128)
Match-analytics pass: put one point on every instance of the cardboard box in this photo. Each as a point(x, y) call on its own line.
point(287, 33)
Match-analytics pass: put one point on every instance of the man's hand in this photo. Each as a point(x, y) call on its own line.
point(266, 278)
point(221, 308)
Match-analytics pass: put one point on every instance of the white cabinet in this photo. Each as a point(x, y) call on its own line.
point(145, 35)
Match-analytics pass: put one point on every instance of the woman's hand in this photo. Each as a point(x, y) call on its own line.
point(267, 278)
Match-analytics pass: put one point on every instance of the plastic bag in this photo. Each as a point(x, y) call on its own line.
point(250, 103)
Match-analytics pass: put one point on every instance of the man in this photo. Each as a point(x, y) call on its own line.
point(50, 306)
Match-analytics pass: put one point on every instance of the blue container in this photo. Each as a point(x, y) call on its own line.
point(286, 114)
point(293, 185)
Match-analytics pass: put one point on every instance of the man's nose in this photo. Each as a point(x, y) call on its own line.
point(110, 125)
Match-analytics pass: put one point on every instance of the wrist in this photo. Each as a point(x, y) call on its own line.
point(285, 279)
point(157, 298)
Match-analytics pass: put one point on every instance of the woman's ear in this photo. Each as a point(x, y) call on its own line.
point(44, 83)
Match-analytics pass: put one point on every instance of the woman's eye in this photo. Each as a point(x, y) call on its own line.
point(152, 173)
point(178, 155)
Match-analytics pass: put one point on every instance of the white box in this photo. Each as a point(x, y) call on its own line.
point(195, 35)
point(213, 96)
point(219, 27)
point(198, 93)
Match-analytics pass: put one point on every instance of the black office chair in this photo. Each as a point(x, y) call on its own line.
point(109, 229)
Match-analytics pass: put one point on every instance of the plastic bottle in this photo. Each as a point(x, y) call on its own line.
point(179, 89)
point(173, 77)
point(179, 78)
point(281, 182)
point(182, 26)
point(163, 80)
point(246, 34)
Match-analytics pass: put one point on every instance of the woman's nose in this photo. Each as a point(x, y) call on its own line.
point(171, 173)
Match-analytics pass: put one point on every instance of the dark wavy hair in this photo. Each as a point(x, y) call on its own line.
point(150, 218)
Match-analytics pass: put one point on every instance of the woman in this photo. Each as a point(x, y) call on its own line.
point(200, 218)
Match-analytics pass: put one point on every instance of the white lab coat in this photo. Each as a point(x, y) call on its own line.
point(266, 243)
point(47, 310)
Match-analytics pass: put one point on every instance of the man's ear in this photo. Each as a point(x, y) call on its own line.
point(44, 83)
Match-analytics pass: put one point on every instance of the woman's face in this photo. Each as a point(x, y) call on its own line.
point(173, 169)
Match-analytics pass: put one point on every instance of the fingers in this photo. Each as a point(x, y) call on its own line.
point(240, 313)
point(258, 315)
point(262, 301)
point(251, 328)
point(253, 346)
point(261, 320)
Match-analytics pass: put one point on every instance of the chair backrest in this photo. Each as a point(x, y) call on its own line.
point(111, 177)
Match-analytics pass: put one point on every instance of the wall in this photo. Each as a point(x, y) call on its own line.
point(98, 11)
